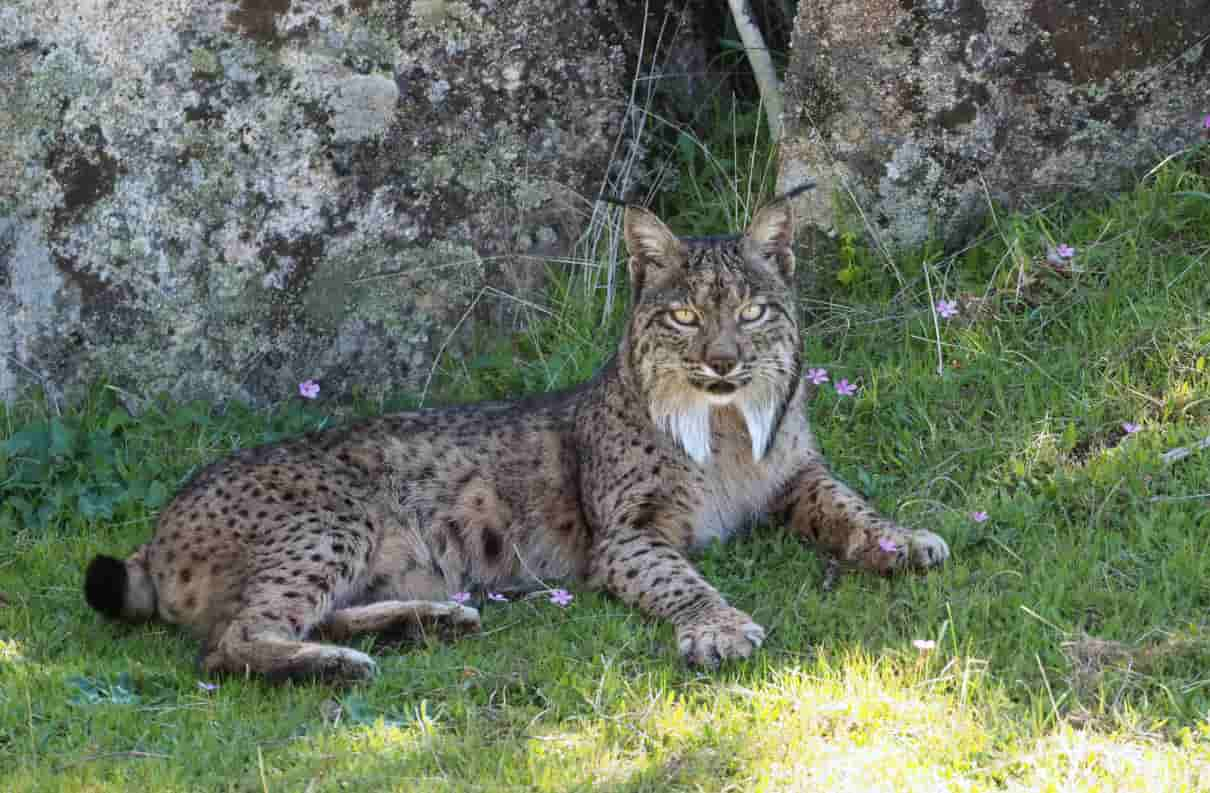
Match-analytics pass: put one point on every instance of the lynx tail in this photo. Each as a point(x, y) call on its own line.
point(120, 590)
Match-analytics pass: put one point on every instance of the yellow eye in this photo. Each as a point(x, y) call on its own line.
point(683, 316)
point(752, 312)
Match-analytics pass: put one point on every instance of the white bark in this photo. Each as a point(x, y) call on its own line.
point(762, 66)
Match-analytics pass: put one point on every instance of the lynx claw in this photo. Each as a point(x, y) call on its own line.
point(719, 636)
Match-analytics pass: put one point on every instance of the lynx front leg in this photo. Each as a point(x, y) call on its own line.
point(404, 618)
point(820, 507)
point(644, 570)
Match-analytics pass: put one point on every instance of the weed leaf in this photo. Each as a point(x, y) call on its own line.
point(100, 691)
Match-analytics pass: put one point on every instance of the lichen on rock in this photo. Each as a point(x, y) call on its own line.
point(923, 111)
point(223, 199)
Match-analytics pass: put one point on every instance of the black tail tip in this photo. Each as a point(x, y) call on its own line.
point(105, 585)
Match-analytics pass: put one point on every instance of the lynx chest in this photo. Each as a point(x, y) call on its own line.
point(737, 491)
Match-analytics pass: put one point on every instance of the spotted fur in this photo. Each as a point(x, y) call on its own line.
point(695, 428)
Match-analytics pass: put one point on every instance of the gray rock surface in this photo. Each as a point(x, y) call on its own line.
point(925, 108)
point(225, 198)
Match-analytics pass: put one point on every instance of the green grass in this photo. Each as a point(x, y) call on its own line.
point(1071, 648)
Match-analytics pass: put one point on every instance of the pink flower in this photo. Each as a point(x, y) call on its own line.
point(946, 308)
point(817, 376)
point(496, 596)
point(845, 388)
point(979, 516)
point(309, 389)
point(561, 597)
point(1060, 257)
point(460, 597)
point(1130, 428)
point(887, 545)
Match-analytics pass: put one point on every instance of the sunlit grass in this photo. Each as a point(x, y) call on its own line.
point(918, 721)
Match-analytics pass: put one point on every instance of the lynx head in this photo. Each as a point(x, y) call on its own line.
point(714, 325)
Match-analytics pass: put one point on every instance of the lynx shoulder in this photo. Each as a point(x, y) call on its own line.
point(696, 427)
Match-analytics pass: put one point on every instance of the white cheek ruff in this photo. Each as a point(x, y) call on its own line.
point(689, 424)
point(689, 427)
point(759, 414)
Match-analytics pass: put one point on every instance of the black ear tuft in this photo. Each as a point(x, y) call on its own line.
point(794, 192)
point(105, 584)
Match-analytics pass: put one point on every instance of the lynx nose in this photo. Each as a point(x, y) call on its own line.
point(721, 363)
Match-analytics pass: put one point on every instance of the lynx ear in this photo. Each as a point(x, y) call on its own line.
point(652, 245)
point(770, 236)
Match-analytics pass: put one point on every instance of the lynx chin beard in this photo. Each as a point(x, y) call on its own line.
point(683, 411)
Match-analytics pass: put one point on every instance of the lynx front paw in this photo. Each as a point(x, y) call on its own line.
point(926, 549)
point(894, 548)
point(718, 636)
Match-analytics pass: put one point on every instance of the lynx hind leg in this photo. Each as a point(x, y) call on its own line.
point(406, 619)
point(255, 644)
point(843, 523)
point(280, 606)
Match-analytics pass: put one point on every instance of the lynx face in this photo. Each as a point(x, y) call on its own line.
point(714, 324)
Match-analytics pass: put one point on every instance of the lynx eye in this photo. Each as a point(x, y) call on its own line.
point(753, 312)
point(686, 317)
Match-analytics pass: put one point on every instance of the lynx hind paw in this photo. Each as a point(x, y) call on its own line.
point(926, 549)
point(719, 636)
point(457, 618)
point(325, 663)
point(340, 665)
point(447, 620)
